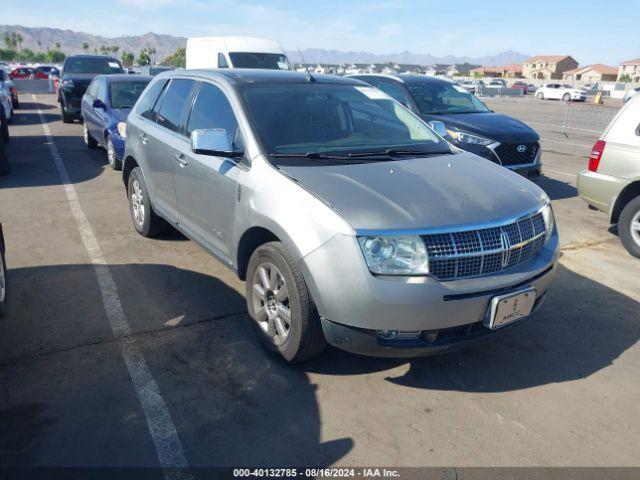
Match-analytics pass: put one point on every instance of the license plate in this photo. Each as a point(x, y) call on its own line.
point(506, 309)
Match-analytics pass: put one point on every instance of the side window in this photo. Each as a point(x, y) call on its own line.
point(213, 110)
point(148, 99)
point(93, 86)
point(175, 104)
point(101, 91)
point(395, 91)
point(222, 61)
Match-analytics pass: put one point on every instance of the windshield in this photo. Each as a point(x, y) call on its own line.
point(125, 94)
point(92, 65)
point(437, 97)
point(308, 118)
point(269, 61)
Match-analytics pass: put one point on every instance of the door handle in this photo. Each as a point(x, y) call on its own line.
point(180, 158)
point(143, 137)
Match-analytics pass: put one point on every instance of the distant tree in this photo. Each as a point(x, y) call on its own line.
point(54, 56)
point(8, 41)
point(625, 77)
point(85, 46)
point(115, 49)
point(144, 57)
point(127, 59)
point(7, 54)
point(58, 45)
point(178, 59)
point(39, 45)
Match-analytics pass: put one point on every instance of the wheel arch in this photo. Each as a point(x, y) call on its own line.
point(250, 240)
point(629, 192)
point(128, 164)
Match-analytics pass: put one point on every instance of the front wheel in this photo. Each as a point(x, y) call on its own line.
point(629, 227)
point(146, 222)
point(112, 156)
point(284, 314)
point(89, 141)
point(540, 96)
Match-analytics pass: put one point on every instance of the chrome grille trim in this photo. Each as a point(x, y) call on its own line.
point(485, 251)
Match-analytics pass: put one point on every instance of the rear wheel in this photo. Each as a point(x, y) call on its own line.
point(629, 227)
point(89, 141)
point(566, 97)
point(285, 317)
point(146, 222)
point(540, 96)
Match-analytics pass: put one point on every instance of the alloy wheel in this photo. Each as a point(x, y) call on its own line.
point(137, 203)
point(635, 228)
point(270, 297)
point(3, 287)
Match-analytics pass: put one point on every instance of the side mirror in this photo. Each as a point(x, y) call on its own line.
point(439, 127)
point(214, 142)
point(97, 103)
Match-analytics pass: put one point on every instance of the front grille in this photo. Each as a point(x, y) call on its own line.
point(473, 253)
point(509, 155)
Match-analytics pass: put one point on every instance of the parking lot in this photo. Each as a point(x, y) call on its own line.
point(561, 389)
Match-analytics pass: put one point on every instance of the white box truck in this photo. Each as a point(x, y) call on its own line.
point(235, 52)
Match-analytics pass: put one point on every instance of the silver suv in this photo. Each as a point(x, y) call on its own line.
point(350, 219)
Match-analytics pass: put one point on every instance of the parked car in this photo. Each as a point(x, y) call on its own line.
point(630, 93)
point(531, 88)
point(235, 52)
point(464, 120)
point(497, 83)
point(558, 91)
point(42, 72)
point(3, 276)
point(77, 73)
point(6, 105)
point(105, 107)
point(22, 73)
point(520, 86)
point(469, 86)
point(351, 221)
point(7, 84)
point(612, 182)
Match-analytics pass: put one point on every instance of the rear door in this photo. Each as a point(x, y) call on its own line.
point(87, 104)
point(96, 126)
point(206, 186)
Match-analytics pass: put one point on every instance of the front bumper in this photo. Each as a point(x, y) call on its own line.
point(350, 298)
point(118, 144)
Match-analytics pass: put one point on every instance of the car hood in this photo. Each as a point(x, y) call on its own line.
point(419, 193)
point(496, 126)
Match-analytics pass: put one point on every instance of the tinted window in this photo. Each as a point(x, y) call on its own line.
point(443, 97)
point(222, 61)
point(270, 61)
point(312, 117)
point(394, 90)
point(148, 100)
point(92, 65)
point(125, 94)
point(212, 110)
point(174, 103)
point(93, 88)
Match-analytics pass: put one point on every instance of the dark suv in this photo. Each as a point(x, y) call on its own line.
point(77, 73)
point(464, 120)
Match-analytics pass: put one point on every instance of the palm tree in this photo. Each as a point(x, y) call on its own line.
point(57, 45)
point(39, 45)
point(7, 40)
point(85, 46)
point(115, 49)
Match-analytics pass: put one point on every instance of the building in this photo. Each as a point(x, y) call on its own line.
point(548, 67)
point(591, 74)
point(489, 72)
point(506, 71)
point(630, 68)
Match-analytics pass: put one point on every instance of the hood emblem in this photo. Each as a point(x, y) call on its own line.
point(521, 148)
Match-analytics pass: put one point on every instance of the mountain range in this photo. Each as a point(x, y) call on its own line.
point(42, 38)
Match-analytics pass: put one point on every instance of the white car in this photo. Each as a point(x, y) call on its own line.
point(630, 93)
point(558, 91)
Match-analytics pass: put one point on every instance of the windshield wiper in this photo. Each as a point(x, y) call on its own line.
point(396, 152)
point(311, 155)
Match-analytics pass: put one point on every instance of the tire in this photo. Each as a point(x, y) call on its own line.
point(566, 97)
point(4, 298)
point(540, 96)
point(272, 271)
point(66, 118)
point(5, 126)
point(89, 141)
point(114, 163)
point(4, 158)
point(630, 235)
point(146, 222)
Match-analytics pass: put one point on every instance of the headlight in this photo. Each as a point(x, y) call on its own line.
point(549, 220)
point(401, 255)
point(122, 129)
point(67, 84)
point(463, 137)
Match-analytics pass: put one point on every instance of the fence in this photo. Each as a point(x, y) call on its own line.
point(484, 91)
point(34, 86)
point(586, 118)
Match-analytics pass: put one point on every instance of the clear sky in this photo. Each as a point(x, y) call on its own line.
point(593, 31)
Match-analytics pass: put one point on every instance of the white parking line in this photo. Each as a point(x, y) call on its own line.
point(567, 143)
point(163, 431)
